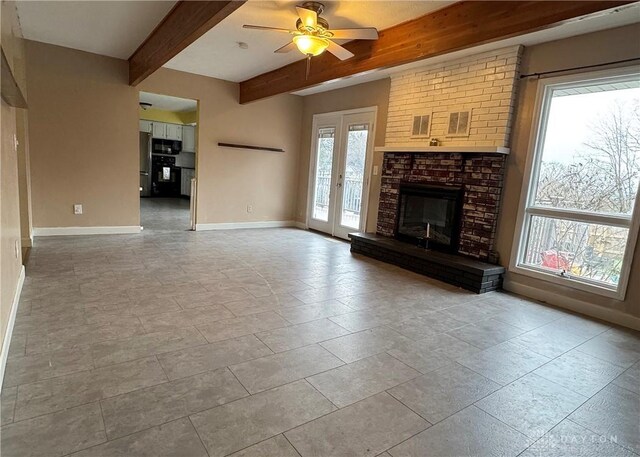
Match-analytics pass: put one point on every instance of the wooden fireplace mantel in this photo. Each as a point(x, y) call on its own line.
point(437, 149)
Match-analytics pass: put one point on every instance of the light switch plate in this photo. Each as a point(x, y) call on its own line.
point(77, 209)
point(375, 170)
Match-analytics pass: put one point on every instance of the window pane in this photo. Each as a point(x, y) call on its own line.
point(354, 175)
point(589, 251)
point(324, 164)
point(591, 149)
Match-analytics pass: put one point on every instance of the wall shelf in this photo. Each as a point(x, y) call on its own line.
point(253, 148)
point(451, 149)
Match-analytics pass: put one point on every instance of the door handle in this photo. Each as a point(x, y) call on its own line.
point(144, 173)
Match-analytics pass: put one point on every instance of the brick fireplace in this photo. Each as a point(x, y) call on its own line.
point(448, 125)
point(423, 103)
point(479, 175)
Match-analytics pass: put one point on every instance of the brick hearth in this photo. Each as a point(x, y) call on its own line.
point(480, 175)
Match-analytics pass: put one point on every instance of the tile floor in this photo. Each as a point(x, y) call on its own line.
point(164, 214)
point(279, 342)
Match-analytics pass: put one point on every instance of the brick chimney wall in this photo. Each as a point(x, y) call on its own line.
point(485, 84)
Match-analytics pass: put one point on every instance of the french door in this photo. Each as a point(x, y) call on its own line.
point(339, 179)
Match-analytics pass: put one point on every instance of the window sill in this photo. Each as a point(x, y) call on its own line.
point(569, 283)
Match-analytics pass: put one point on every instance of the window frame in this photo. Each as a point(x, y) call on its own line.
point(527, 208)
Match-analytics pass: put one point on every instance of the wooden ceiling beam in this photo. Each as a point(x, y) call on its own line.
point(458, 26)
point(185, 23)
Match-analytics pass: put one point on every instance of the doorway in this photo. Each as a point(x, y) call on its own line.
point(168, 157)
point(342, 147)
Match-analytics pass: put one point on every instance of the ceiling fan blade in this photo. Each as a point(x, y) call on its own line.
point(309, 18)
point(365, 33)
point(338, 51)
point(290, 46)
point(272, 29)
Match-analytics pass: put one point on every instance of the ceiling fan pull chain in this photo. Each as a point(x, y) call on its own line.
point(306, 76)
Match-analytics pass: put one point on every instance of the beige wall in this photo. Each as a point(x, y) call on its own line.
point(231, 179)
point(12, 43)
point(607, 46)
point(83, 123)
point(375, 93)
point(10, 247)
point(83, 138)
point(24, 177)
point(11, 261)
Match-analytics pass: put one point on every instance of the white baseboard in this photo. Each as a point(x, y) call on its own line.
point(244, 225)
point(579, 306)
point(302, 225)
point(108, 230)
point(9, 330)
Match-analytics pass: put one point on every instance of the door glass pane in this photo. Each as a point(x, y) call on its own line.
point(589, 251)
point(354, 175)
point(324, 165)
point(590, 151)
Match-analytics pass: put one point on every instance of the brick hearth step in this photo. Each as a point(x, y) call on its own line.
point(470, 274)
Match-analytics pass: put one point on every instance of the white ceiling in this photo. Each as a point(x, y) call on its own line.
point(217, 53)
point(117, 28)
point(168, 103)
point(110, 28)
point(615, 18)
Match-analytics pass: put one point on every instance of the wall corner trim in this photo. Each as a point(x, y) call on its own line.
point(108, 230)
point(12, 320)
point(599, 312)
point(244, 225)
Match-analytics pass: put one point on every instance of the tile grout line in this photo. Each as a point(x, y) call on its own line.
point(294, 448)
point(198, 435)
point(239, 382)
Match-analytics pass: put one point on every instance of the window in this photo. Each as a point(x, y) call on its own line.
point(459, 123)
point(421, 125)
point(579, 217)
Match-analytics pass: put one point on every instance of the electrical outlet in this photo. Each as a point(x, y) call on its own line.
point(249, 208)
point(77, 209)
point(375, 170)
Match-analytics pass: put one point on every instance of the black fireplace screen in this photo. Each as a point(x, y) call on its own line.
point(437, 206)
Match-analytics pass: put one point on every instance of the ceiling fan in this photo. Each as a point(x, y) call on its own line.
point(312, 35)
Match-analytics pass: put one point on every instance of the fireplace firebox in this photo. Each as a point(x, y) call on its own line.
point(438, 206)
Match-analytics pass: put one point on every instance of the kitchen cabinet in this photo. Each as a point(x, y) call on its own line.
point(188, 138)
point(173, 132)
point(159, 130)
point(165, 131)
point(185, 181)
point(145, 126)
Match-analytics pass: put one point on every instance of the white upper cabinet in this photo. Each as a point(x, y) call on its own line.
point(173, 132)
point(167, 131)
point(145, 126)
point(159, 130)
point(189, 138)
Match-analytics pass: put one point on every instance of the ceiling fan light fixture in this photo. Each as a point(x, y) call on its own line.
point(311, 45)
